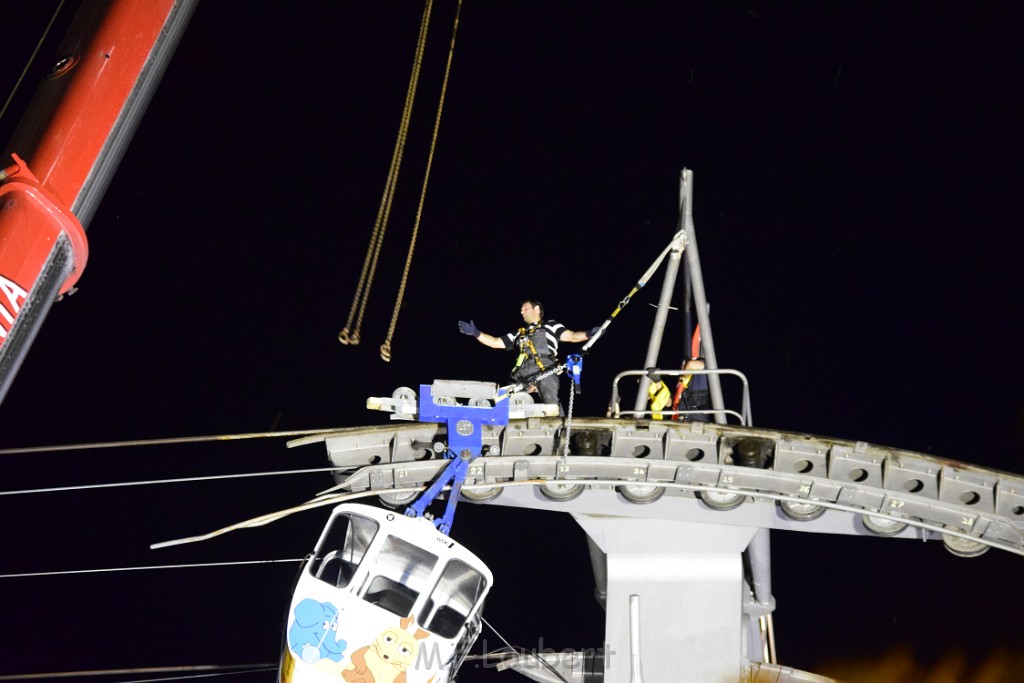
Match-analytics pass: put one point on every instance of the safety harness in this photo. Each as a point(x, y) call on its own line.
point(525, 337)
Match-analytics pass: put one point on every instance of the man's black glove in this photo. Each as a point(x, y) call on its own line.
point(468, 328)
point(592, 331)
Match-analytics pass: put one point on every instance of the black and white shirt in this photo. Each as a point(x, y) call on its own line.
point(544, 354)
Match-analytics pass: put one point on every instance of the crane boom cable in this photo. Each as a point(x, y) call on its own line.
point(350, 334)
point(32, 58)
point(385, 349)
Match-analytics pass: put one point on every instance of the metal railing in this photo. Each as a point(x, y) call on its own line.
point(743, 416)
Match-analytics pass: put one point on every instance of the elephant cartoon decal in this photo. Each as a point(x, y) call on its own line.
point(314, 633)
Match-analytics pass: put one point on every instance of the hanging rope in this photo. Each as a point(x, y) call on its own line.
point(385, 348)
point(350, 334)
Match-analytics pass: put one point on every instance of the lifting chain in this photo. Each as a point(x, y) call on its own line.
point(385, 348)
point(350, 334)
point(568, 428)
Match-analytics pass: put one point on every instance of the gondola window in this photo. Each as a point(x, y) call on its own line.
point(342, 549)
point(400, 573)
point(452, 599)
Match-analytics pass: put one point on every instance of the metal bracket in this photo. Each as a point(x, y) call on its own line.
point(403, 403)
point(465, 436)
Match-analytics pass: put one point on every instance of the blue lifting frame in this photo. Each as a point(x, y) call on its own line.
point(465, 442)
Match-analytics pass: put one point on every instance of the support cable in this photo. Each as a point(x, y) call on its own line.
point(108, 570)
point(177, 480)
point(163, 442)
point(212, 669)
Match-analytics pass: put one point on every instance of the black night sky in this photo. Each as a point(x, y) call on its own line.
point(859, 168)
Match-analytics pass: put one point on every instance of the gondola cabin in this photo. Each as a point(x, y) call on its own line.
point(385, 598)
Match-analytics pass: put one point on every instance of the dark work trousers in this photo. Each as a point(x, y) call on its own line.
point(547, 390)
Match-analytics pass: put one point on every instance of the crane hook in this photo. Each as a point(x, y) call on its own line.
point(347, 337)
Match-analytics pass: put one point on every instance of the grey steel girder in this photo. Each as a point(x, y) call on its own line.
point(672, 470)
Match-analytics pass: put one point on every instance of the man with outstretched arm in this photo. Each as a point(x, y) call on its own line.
point(537, 344)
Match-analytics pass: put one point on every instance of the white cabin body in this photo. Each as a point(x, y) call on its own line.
point(384, 599)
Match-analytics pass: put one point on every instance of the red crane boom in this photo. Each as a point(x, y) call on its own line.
point(65, 151)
